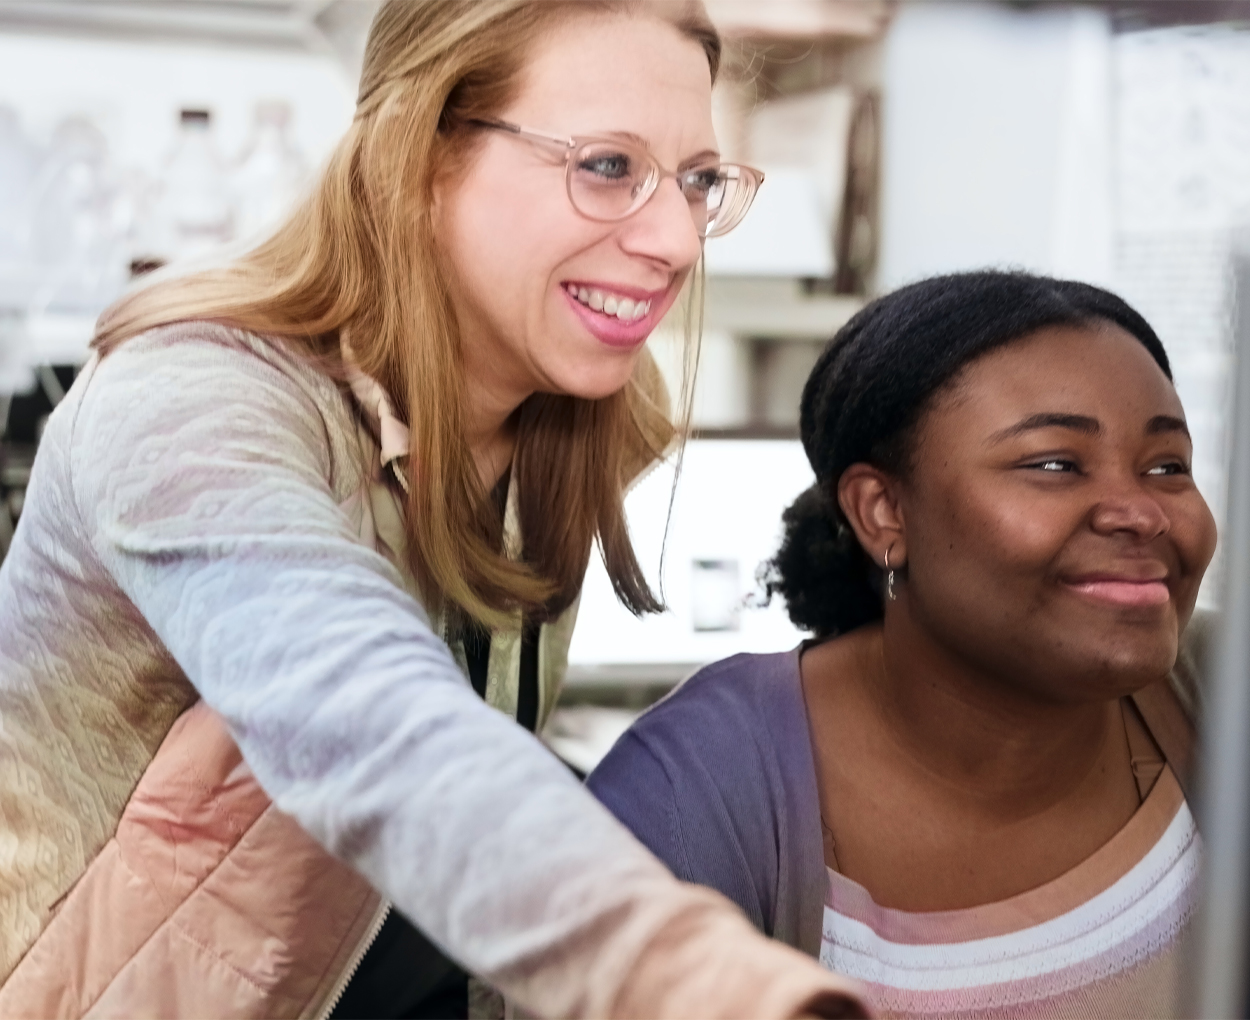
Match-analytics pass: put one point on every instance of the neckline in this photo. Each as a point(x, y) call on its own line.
point(1081, 883)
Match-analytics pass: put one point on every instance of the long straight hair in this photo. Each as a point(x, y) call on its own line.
point(359, 259)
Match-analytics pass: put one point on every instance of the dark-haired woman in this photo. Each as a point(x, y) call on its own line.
point(968, 790)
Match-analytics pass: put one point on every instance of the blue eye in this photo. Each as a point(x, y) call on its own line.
point(610, 166)
point(699, 184)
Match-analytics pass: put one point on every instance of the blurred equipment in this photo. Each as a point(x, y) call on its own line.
point(808, 131)
point(22, 418)
point(800, 141)
point(104, 176)
point(798, 96)
point(715, 598)
point(583, 734)
point(701, 548)
point(1218, 985)
point(334, 26)
point(1182, 159)
point(6, 514)
point(19, 166)
point(855, 244)
point(809, 19)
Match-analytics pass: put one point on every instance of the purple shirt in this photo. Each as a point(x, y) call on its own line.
point(719, 781)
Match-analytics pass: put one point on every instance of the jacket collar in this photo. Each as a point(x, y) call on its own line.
point(379, 409)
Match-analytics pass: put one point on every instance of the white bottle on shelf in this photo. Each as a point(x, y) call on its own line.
point(19, 167)
point(74, 241)
point(195, 212)
point(271, 174)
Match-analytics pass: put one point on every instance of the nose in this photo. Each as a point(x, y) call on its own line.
point(1130, 510)
point(663, 230)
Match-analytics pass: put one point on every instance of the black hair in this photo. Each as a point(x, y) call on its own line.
point(867, 394)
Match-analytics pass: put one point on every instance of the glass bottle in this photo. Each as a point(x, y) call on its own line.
point(271, 174)
point(19, 166)
point(73, 241)
point(195, 212)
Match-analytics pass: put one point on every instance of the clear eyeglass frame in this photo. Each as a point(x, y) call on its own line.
point(724, 190)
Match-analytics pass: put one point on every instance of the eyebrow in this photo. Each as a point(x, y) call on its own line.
point(1157, 425)
point(1052, 420)
point(1165, 423)
point(626, 136)
point(700, 156)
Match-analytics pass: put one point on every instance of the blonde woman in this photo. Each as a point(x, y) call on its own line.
point(297, 508)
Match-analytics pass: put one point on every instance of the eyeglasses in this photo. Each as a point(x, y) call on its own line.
point(609, 180)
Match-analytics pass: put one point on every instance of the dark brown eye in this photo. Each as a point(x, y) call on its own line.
point(1174, 467)
point(1053, 465)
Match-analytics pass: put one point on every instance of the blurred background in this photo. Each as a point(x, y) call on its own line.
point(1108, 142)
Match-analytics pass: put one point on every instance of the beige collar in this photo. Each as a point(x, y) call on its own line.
point(380, 410)
point(393, 439)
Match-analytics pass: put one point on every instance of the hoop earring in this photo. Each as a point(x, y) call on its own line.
point(889, 577)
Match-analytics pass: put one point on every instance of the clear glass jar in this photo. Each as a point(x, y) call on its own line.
point(271, 174)
point(195, 212)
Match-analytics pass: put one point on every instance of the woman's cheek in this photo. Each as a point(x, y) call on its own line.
point(1195, 534)
point(1021, 531)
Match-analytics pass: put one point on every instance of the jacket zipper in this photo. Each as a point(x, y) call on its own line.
point(375, 927)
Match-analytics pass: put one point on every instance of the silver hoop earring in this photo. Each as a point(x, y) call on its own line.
point(889, 578)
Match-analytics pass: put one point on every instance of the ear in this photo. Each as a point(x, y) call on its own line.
point(869, 498)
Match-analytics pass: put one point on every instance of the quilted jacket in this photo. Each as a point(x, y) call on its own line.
point(230, 734)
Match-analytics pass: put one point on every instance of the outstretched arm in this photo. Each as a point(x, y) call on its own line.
point(201, 467)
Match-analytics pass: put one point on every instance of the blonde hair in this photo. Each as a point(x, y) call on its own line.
point(358, 259)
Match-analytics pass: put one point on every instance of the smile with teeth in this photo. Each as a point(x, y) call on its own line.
point(623, 308)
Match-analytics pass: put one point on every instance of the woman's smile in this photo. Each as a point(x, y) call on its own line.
point(617, 315)
point(1121, 589)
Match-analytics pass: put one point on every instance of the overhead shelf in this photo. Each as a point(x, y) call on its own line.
point(335, 27)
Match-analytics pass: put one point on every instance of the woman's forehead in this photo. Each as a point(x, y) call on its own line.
point(1098, 371)
point(601, 73)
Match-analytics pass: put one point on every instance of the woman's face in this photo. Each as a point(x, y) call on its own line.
point(1054, 533)
point(519, 250)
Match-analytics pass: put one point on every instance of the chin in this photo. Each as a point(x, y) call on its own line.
point(1128, 642)
point(1071, 661)
point(596, 383)
point(1120, 667)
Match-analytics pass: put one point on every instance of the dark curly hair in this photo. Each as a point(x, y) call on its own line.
point(869, 391)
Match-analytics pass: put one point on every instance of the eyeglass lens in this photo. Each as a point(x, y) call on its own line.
point(608, 182)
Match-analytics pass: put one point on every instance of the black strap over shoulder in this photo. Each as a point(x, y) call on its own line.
point(1172, 729)
point(1172, 708)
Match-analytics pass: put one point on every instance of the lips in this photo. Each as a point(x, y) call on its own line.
point(617, 316)
point(1122, 591)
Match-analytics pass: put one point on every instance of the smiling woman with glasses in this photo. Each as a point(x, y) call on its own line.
point(301, 557)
